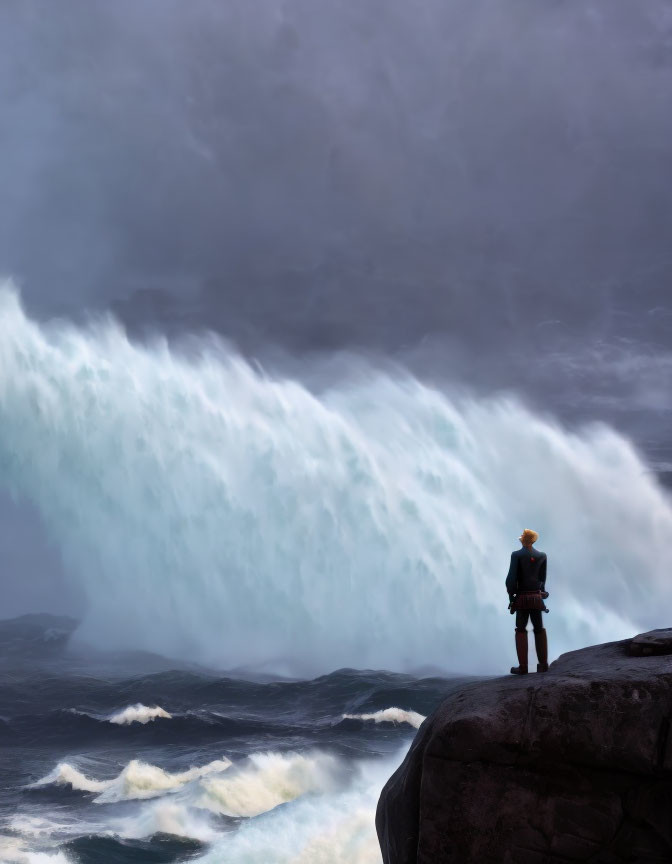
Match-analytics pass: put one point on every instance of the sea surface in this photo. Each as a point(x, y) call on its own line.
point(135, 758)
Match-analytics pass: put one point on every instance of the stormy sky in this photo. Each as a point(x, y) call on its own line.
point(481, 190)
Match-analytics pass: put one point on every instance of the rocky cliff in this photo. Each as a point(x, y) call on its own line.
point(571, 765)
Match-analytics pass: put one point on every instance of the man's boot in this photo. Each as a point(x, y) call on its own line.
point(541, 644)
point(521, 651)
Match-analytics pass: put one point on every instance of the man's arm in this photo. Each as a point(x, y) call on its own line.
point(512, 578)
point(542, 574)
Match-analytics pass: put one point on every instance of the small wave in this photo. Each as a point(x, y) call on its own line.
point(266, 780)
point(138, 714)
point(137, 780)
point(390, 715)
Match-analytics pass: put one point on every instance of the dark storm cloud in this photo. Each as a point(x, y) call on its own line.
point(481, 189)
point(337, 173)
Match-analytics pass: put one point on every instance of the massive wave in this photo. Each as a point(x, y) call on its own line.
point(230, 516)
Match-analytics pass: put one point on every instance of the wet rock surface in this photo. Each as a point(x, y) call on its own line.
point(571, 765)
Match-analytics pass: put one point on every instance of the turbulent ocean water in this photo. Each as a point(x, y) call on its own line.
point(134, 758)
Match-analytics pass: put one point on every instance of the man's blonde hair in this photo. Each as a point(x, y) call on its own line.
point(528, 536)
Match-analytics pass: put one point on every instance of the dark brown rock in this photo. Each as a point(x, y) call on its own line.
point(653, 642)
point(571, 765)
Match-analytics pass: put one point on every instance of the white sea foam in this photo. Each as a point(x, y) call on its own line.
point(137, 780)
point(138, 714)
point(20, 849)
point(268, 779)
point(334, 828)
point(55, 857)
point(167, 817)
point(209, 510)
point(14, 851)
point(350, 840)
point(17, 853)
point(390, 715)
point(47, 825)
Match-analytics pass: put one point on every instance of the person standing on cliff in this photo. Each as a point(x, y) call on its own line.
point(526, 584)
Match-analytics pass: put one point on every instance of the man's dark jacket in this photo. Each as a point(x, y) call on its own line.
point(527, 571)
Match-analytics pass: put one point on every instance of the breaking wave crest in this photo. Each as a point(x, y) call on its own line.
point(65, 774)
point(137, 780)
point(269, 779)
point(138, 714)
point(212, 511)
point(390, 715)
point(327, 829)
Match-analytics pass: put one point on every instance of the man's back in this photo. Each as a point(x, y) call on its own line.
point(527, 571)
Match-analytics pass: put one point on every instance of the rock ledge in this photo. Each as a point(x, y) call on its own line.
point(572, 765)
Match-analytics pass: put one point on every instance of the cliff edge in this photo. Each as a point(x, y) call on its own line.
point(571, 765)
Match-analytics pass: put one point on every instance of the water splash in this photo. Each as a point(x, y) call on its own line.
point(214, 511)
